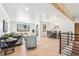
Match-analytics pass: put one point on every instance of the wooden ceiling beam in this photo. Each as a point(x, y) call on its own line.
point(64, 10)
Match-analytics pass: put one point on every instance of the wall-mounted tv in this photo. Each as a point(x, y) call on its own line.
point(5, 26)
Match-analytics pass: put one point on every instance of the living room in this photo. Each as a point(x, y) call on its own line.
point(32, 21)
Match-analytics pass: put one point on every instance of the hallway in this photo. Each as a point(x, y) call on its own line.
point(46, 47)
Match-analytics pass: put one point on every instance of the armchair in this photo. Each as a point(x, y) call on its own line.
point(51, 34)
point(31, 41)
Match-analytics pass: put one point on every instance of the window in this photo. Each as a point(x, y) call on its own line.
point(23, 27)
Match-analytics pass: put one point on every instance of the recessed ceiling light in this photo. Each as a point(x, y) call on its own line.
point(26, 9)
point(43, 15)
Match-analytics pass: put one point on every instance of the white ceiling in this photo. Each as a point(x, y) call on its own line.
point(37, 11)
point(73, 8)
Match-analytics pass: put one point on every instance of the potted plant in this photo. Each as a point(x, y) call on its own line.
point(12, 34)
point(5, 36)
point(33, 31)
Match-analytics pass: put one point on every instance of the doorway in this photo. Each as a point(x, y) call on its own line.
point(76, 31)
point(37, 30)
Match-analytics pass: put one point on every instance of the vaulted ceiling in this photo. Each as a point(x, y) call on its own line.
point(40, 10)
point(71, 10)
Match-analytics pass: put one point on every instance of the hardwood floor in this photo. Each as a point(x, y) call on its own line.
point(45, 47)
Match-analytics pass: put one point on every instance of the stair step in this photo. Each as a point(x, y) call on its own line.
point(76, 49)
point(66, 53)
point(75, 52)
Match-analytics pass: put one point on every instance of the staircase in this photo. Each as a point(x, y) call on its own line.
point(69, 46)
point(72, 49)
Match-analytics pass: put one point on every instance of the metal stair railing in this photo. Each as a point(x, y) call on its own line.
point(68, 46)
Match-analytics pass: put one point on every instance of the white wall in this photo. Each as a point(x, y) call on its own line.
point(76, 20)
point(13, 26)
point(3, 16)
point(65, 24)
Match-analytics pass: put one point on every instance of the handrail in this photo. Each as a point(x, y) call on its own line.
point(67, 45)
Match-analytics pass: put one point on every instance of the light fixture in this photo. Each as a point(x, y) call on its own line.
point(43, 15)
point(26, 9)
